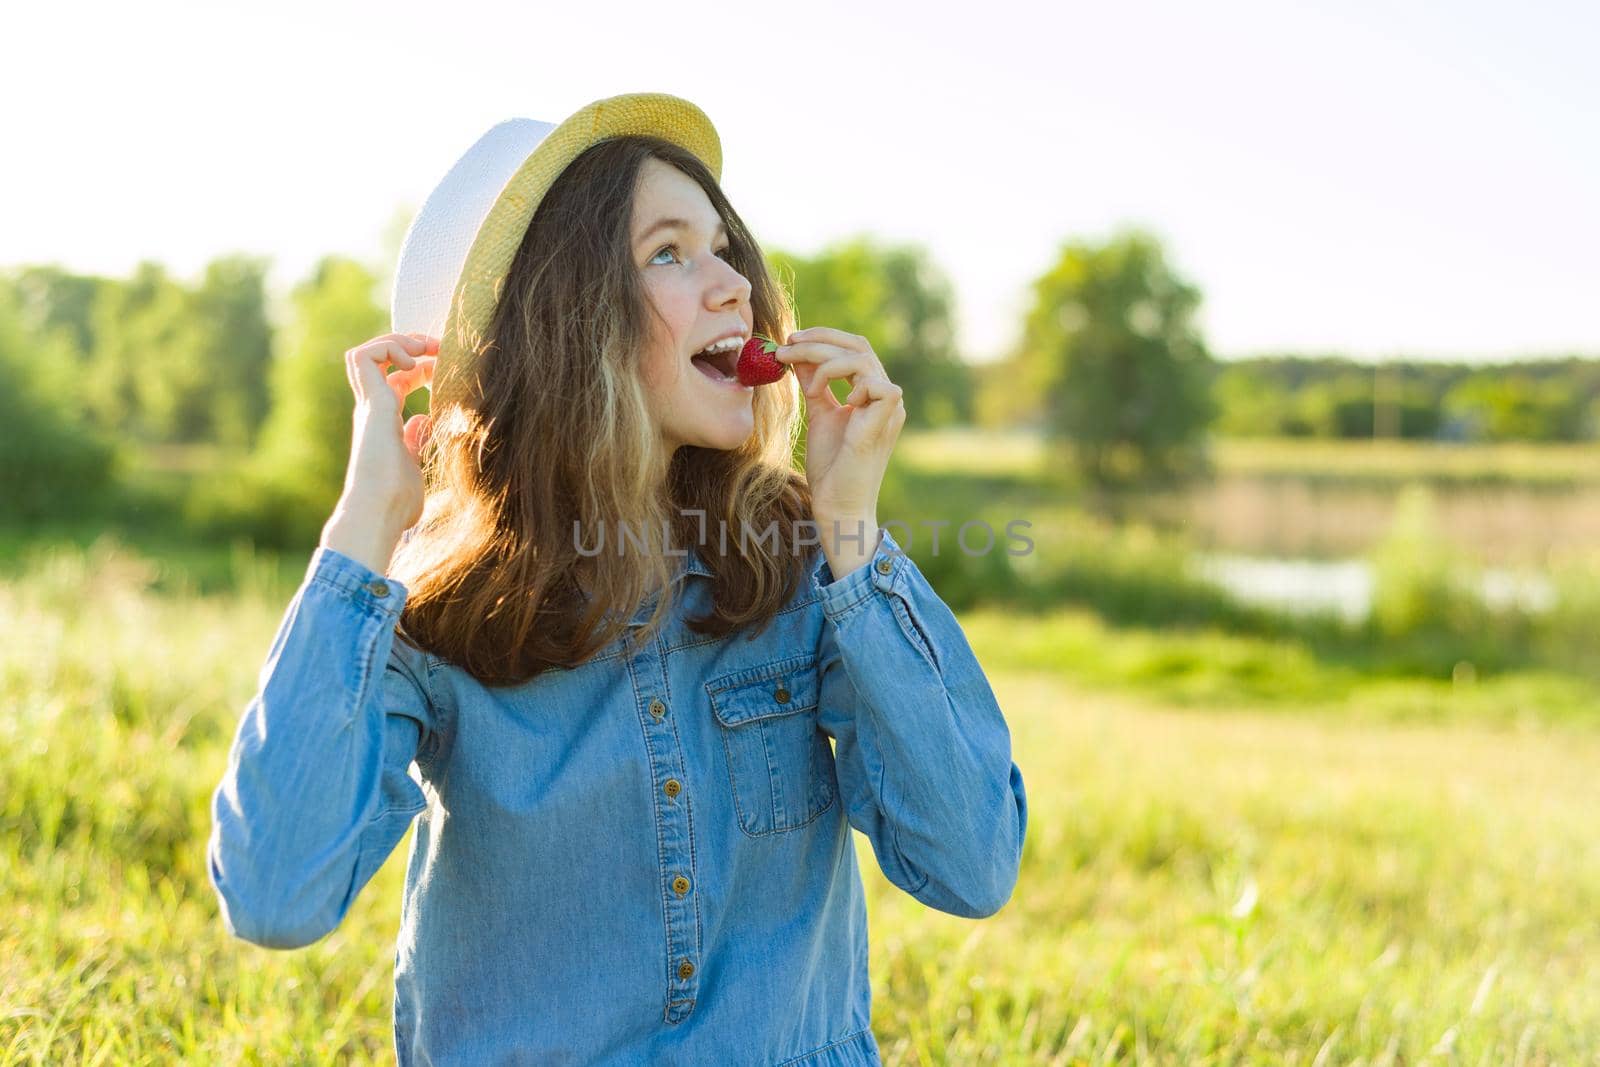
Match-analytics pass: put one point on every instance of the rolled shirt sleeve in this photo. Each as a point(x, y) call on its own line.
point(317, 791)
point(922, 750)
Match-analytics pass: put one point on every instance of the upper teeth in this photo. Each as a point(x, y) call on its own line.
point(727, 344)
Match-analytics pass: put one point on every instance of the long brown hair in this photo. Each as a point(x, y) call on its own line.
point(557, 431)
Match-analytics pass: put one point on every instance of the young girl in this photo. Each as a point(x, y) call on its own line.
point(649, 674)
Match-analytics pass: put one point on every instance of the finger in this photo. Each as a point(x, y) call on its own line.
point(817, 351)
point(417, 431)
point(399, 394)
point(823, 397)
point(830, 359)
point(367, 377)
point(827, 335)
point(805, 352)
point(880, 417)
point(416, 343)
point(877, 398)
point(871, 387)
point(385, 352)
point(846, 366)
point(370, 360)
point(413, 378)
point(850, 368)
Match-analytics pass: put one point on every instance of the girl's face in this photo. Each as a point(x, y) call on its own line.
point(699, 297)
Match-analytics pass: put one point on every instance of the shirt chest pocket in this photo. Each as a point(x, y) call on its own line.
point(779, 765)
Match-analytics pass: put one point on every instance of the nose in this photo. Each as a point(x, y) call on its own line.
point(729, 287)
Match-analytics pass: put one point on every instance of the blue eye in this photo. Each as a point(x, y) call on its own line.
point(723, 252)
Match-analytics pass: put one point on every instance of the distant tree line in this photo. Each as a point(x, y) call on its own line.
point(105, 373)
point(1109, 364)
point(1336, 397)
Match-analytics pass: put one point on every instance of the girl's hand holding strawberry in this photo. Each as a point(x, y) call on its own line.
point(847, 444)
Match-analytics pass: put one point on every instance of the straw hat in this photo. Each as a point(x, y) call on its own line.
point(460, 245)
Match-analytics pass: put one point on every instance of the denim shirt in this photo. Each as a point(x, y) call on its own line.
point(645, 859)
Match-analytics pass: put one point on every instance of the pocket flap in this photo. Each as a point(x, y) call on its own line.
point(782, 687)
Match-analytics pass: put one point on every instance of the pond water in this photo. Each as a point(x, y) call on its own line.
point(1508, 525)
point(1345, 586)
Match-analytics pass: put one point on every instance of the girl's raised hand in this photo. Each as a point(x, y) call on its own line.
point(385, 472)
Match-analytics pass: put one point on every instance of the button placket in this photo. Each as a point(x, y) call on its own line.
point(674, 831)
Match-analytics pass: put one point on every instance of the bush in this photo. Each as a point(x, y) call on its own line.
point(256, 504)
point(56, 463)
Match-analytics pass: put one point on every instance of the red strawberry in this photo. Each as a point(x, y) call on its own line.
point(756, 363)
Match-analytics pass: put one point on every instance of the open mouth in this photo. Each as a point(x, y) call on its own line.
point(718, 366)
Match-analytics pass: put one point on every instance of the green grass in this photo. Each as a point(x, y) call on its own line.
point(1231, 888)
point(1237, 853)
point(1210, 669)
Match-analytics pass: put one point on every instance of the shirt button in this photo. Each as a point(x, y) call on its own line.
point(685, 969)
point(680, 885)
point(885, 565)
point(378, 588)
point(657, 708)
point(672, 787)
point(781, 696)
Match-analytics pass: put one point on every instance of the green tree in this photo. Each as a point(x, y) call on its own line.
point(900, 302)
point(147, 372)
point(235, 350)
point(56, 462)
point(306, 440)
point(1123, 374)
point(159, 361)
point(1250, 404)
point(290, 483)
point(52, 299)
point(1518, 407)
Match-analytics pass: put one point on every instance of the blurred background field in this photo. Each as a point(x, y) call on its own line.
point(1310, 720)
point(1257, 835)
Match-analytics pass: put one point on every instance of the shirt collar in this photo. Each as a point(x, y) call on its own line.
point(694, 564)
point(691, 564)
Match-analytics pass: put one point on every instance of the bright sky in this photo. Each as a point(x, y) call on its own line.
point(1376, 178)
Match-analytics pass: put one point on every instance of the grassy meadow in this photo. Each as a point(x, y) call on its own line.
point(1252, 840)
